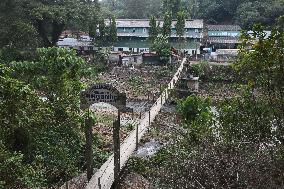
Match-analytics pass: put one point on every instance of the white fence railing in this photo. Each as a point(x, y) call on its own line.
point(104, 177)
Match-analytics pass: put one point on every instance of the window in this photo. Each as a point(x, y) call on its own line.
point(133, 31)
point(144, 30)
point(196, 31)
point(120, 49)
point(124, 29)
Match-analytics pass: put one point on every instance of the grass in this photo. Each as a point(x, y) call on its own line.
point(105, 119)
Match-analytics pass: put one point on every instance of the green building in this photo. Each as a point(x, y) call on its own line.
point(222, 36)
point(133, 35)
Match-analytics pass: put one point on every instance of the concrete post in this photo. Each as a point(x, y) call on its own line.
point(116, 149)
point(89, 148)
point(99, 183)
point(137, 133)
point(149, 117)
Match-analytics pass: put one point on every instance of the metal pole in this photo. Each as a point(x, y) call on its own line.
point(89, 142)
point(149, 117)
point(99, 183)
point(137, 137)
point(116, 145)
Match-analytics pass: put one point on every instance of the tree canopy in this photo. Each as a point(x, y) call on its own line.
point(242, 12)
point(43, 21)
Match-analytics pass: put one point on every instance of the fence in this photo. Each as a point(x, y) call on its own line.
point(104, 177)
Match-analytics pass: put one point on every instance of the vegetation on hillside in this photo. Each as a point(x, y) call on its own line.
point(41, 135)
point(243, 12)
point(240, 143)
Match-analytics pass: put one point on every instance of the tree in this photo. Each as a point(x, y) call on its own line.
point(40, 119)
point(50, 18)
point(16, 31)
point(180, 25)
point(154, 29)
point(134, 10)
point(172, 6)
point(102, 37)
point(93, 26)
point(196, 118)
point(112, 31)
point(167, 26)
point(163, 48)
point(266, 13)
point(240, 143)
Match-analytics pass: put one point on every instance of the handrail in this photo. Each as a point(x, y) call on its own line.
point(105, 175)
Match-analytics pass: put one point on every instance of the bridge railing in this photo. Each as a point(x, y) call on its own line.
point(104, 177)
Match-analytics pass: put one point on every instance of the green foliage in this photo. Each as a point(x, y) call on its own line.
point(172, 6)
point(135, 80)
point(107, 34)
point(101, 155)
point(56, 74)
point(213, 73)
point(131, 9)
point(241, 144)
point(16, 30)
point(180, 25)
point(246, 119)
point(29, 22)
point(243, 12)
point(39, 117)
point(154, 29)
point(264, 12)
point(112, 31)
point(163, 48)
point(167, 26)
point(102, 38)
point(199, 69)
point(23, 174)
point(129, 127)
point(196, 116)
point(261, 68)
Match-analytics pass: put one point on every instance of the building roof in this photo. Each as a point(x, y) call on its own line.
point(224, 28)
point(224, 40)
point(144, 23)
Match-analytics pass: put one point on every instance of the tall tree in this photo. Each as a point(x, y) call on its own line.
point(167, 26)
point(180, 25)
point(112, 31)
point(154, 29)
point(101, 38)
